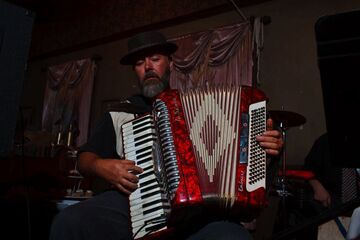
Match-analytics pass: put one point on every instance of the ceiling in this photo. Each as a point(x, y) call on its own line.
point(50, 10)
point(68, 25)
point(57, 10)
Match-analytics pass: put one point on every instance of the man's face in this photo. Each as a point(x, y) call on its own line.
point(153, 72)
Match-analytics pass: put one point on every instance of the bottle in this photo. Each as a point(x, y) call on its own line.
point(69, 136)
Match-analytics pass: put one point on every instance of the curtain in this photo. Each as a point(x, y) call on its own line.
point(223, 56)
point(67, 99)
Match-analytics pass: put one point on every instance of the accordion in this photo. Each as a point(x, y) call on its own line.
point(198, 149)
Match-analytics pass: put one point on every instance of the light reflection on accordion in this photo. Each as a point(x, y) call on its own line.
point(197, 149)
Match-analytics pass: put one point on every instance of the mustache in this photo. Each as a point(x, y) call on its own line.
point(151, 74)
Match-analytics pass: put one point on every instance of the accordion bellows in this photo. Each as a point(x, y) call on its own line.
point(197, 148)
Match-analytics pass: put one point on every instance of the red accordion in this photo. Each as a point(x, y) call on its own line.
point(197, 149)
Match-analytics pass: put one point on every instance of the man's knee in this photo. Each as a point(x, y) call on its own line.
point(91, 220)
point(66, 223)
point(222, 230)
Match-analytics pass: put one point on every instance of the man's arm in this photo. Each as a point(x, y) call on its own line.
point(320, 192)
point(98, 158)
point(86, 163)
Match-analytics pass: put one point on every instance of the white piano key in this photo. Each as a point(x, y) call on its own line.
point(138, 194)
point(130, 137)
point(138, 221)
point(146, 164)
point(139, 202)
point(143, 197)
point(146, 157)
point(134, 154)
point(138, 132)
point(143, 232)
point(153, 197)
point(145, 179)
point(136, 211)
point(154, 218)
point(133, 147)
point(139, 121)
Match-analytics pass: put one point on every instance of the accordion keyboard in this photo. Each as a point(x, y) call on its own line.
point(256, 167)
point(149, 203)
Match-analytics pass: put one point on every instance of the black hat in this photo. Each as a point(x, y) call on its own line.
point(147, 41)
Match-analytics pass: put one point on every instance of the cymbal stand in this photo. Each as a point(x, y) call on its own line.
point(284, 120)
point(283, 192)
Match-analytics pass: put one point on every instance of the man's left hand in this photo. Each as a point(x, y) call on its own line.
point(271, 140)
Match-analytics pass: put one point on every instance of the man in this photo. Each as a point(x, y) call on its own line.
point(330, 179)
point(106, 216)
point(332, 186)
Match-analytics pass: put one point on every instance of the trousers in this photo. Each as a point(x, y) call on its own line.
point(106, 216)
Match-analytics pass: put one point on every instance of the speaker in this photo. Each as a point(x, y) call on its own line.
point(338, 49)
point(15, 35)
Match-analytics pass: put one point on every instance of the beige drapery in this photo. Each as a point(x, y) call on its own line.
point(223, 56)
point(67, 98)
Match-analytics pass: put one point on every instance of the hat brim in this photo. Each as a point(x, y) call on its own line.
point(131, 57)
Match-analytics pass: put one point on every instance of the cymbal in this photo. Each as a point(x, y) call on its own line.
point(287, 118)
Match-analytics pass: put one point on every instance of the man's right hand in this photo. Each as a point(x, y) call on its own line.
point(122, 174)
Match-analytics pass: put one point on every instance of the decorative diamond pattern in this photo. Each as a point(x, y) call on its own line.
point(210, 134)
point(213, 145)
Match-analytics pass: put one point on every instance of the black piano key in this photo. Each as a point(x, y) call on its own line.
point(155, 227)
point(146, 174)
point(146, 189)
point(149, 158)
point(150, 194)
point(141, 185)
point(138, 152)
point(144, 141)
point(142, 129)
point(137, 139)
point(136, 121)
point(145, 205)
point(153, 210)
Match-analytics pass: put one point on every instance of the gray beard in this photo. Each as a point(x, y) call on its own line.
point(152, 87)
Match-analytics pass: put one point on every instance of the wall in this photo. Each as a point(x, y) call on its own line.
point(289, 73)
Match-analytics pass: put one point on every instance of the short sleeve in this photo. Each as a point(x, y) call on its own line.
point(102, 140)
